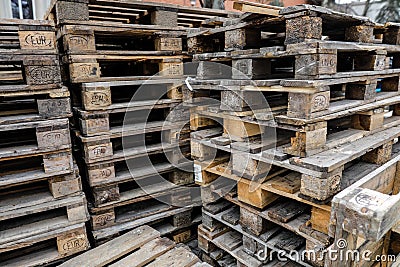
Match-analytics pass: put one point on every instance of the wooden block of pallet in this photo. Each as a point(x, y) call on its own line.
point(50, 247)
point(371, 202)
point(142, 246)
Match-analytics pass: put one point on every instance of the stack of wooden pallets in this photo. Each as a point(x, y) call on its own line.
point(42, 207)
point(125, 70)
point(304, 102)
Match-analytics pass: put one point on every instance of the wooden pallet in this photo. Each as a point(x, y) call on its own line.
point(135, 141)
point(227, 234)
point(39, 137)
point(310, 220)
point(130, 117)
point(58, 185)
point(29, 70)
point(371, 201)
point(38, 166)
point(313, 60)
point(142, 246)
point(95, 37)
point(302, 99)
point(17, 109)
point(295, 25)
point(32, 36)
point(319, 181)
point(136, 12)
point(298, 137)
point(49, 247)
point(109, 95)
point(108, 164)
point(109, 221)
point(108, 66)
point(33, 217)
point(218, 180)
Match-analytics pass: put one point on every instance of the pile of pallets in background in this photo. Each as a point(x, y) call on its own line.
point(142, 246)
point(125, 70)
point(42, 207)
point(292, 109)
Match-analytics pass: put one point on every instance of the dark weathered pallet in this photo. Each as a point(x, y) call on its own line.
point(142, 246)
point(47, 247)
point(111, 66)
point(313, 60)
point(298, 137)
point(130, 117)
point(146, 138)
point(111, 180)
point(38, 137)
point(295, 25)
point(108, 95)
point(58, 185)
point(122, 12)
point(18, 109)
point(108, 223)
point(95, 37)
point(27, 69)
point(27, 35)
point(36, 166)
